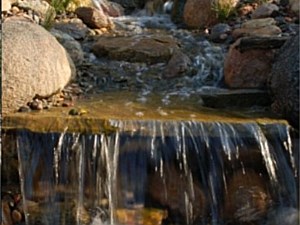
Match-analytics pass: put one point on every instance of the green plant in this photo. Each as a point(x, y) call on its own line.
point(55, 7)
point(224, 8)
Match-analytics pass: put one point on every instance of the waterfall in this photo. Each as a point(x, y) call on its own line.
point(189, 172)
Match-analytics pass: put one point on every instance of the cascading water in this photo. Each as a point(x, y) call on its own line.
point(147, 171)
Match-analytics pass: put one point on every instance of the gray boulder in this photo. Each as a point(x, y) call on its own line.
point(33, 63)
point(284, 81)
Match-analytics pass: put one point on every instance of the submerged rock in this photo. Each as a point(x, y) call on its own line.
point(247, 198)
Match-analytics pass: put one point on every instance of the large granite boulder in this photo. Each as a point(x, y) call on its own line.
point(5, 5)
point(33, 63)
point(284, 81)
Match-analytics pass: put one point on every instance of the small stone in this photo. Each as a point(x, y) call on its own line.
point(67, 104)
point(24, 109)
point(73, 112)
point(15, 10)
point(16, 216)
point(36, 105)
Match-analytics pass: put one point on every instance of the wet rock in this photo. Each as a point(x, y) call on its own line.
point(71, 45)
point(172, 191)
point(265, 10)
point(241, 98)
point(93, 17)
point(283, 215)
point(178, 65)
point(284, 81)
point(148, 49)
point(177, 11)
point(198, 13)
point(247, 198)
point(36, 105)
point(141, 216)
point(220, 32)
point(248, 69)
point(43, 65)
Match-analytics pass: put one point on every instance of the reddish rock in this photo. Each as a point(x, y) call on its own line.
point(248, 69)
point(199, 13)
point(93, 17)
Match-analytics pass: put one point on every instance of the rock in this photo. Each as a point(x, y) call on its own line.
point(259, 23)
point(33, 63)
point(241, 98)
point(178, 65)
point(147, 49)
point(257, 27)
point(173, 190)
point(177, 11)
point(93, 17)
point(265, 10)
point(38, 6)
point(75, 28)
point(248, 69)
point(284, 81)
point(247, 198)
point(131, 5)
point(199, 13)
point(294, 6)
point(5, 5)
point(112, 9)
point(283, 215)
point(71, 45)
point(6, 213)
point(220, 32)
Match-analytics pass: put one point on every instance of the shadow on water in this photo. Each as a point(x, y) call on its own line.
point(156, 172)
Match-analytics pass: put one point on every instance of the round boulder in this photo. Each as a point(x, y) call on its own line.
point(33, 63)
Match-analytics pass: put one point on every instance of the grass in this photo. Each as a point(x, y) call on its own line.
point(56, 7)
point(224, 8)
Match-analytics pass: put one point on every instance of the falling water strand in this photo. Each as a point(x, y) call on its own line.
point(81, 165)
point(22, 181)
point(184, 156)
point(289, 146)
point(57, 155)
point(153, 139)
point(265, 151)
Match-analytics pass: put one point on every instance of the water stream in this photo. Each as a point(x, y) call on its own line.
point(182, 165)
point(189, 172)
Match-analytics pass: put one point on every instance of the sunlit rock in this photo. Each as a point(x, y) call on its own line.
point(148, 49)
point(94, 18)
point(33, 63)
